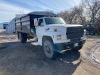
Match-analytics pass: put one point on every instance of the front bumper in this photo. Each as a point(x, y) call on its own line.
point(60, 47)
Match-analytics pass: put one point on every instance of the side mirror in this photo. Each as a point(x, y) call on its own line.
point(35, 22)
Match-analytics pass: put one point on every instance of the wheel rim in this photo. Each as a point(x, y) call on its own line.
point(48, 49)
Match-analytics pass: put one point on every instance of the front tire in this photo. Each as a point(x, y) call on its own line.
point(48, 48)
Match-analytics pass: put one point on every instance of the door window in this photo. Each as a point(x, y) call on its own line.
point(40, 22)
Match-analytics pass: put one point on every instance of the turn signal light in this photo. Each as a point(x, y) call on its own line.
point(55, 30)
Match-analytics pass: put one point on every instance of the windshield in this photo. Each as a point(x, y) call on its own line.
point(54, 20)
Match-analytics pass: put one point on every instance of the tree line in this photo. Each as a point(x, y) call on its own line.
point(88, 11)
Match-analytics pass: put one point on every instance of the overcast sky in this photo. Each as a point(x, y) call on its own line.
point(9, 8)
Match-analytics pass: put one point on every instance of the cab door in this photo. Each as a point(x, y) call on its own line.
point(40, 29)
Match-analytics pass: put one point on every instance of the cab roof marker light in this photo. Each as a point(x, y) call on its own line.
point(55, 30)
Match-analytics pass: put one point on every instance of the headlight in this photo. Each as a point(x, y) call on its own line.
point(85, 31)
point(58, 37)
point(84, 35)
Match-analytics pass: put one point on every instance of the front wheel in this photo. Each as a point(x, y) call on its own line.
point(49, 49)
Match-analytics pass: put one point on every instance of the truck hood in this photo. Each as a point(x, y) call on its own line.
point(64, 25)
point(60, 27)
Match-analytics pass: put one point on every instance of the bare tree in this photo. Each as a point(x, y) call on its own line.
point(74, 15)
point(93, 9)
point(78, 15)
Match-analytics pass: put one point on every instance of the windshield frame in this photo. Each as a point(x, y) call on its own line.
point(53, 17)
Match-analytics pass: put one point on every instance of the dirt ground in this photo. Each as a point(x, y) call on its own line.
point(27, 59)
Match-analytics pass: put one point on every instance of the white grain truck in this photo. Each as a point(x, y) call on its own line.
point(51, 32)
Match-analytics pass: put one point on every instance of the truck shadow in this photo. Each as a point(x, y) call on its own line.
point(30, 59)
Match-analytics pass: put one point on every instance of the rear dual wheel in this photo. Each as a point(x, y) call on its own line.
point(23, 37)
